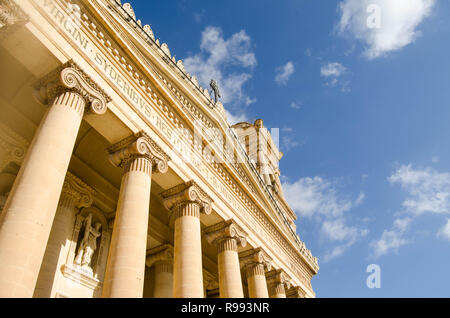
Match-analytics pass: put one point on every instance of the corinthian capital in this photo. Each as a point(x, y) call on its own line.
point(11, 14)
point(139, 145)
point(70, 77)
point(226, 235)
point(254, 257)
point(188, 192)
point(78, 191)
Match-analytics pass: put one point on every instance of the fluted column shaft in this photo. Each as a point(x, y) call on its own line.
point(188, 270)
point(256, 280)
point(75, 194)
point(125, 268)
point(30, 209)
point(163, 279)
point(230, 282)
point(62, 223)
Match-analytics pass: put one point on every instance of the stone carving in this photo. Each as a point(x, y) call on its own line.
point(186, 192)
point(278, 277)
point(70, 77)
point(210, 281)
point(12, 145)
point(162, 253)
point(129, 9)
point(11, 14)
point(149, 31)
point(88, 244)
point(215, 88)
point(181, 66)
point(78, 191)
point(255, 256)
point(225, 230)
point(165, 49)
point(295, 292)
point(194, 80)
point(139, 145)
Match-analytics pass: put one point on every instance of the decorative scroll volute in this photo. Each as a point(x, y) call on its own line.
point(184, 193)
point(139, 145)
point(70, 77)
point(11, 14)
point(278, 276)
point(255, 256)
point(225, 230)
point(162, 253)
point(81, 193)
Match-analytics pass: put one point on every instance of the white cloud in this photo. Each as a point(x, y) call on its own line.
point(295, 105)
point(229, 62)
point(332, 72)
point(428, 190)
point(445, 230)
point(391, 240)
point(284, 73)
point(320, 200)
point(384, 25)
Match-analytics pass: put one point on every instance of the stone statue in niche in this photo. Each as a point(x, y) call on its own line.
point(88, 244)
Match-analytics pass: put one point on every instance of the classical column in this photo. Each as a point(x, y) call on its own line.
point(277, 279)
point(226, 236)
point(138, 155)
point(161, 258)
point(186, 201)
point(295, 292)
point(75, 195)
point(255, 263)
point(30, 209)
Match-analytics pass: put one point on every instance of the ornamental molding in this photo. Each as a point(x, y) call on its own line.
point(278, 276)
point(162, 253)
point(78, 191)
point(255, 257)
point(70, 77)
point(210, 281)
point(11, 14)
point(139, 144)
point(13, 147)
point(81, 276)
point(225, 230)
point(295, 292)
point(185, 193)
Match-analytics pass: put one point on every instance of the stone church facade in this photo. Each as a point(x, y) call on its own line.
point(120, 175)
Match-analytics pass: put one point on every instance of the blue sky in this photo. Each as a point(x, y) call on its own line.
point(362, 101)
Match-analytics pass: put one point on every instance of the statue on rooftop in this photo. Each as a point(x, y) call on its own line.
point(216, 91)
